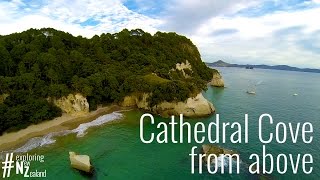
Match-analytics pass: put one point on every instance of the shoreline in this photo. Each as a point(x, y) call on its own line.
point(12, 140)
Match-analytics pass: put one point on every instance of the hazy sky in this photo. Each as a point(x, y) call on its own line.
point(237, 31)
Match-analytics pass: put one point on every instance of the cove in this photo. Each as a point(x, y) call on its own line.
point(199, 132)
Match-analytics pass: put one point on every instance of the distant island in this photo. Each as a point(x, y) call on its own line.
point(221, 63)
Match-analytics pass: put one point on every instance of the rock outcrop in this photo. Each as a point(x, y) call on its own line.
point(208, 149)
point(3, 97)
point(214, 149)
point(129, 101)
point(193, 107)
point(184, 66)
point(73, 104)
point(217, 80)
point(80, 162)
point(196, 106)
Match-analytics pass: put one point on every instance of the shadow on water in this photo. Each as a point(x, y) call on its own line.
point(218, 92)
point(93, 174)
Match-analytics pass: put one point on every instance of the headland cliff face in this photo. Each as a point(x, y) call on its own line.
point(104, 69)
point(193, 106)
point(217, 80)
point(196, 106)
point(73, 104)
point(3, 97)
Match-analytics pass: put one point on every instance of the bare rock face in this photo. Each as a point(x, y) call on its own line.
point(208, 149)
point(73, 104)
point(184, 66)
point(129, 101)
point(193, 107)
point(217, 80)
point(3, 97)
point(214, 149)
point(80, 162)
point(196, 106)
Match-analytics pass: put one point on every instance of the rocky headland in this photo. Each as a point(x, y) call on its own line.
point(193, 107)
point(217, 80)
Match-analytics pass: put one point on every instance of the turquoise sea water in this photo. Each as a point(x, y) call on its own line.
point(117, 152)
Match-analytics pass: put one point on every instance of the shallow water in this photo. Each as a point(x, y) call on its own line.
point(117, 152)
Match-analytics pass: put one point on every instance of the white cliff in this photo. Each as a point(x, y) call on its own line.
point(73, 104)
point(217, 80)
point(192, 107)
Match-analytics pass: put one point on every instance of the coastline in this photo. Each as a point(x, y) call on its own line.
point(13, 140)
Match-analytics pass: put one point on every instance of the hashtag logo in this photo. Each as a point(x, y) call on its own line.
point(7, 165)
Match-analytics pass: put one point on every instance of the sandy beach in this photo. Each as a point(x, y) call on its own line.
point(65, 122)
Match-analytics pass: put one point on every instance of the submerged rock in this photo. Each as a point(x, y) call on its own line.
point(80, 162)
point(217, 80)
point(214, 149)
point(193, 107)
point(208, 149)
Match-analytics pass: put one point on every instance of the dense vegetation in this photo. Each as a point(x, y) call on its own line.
point(37, 64)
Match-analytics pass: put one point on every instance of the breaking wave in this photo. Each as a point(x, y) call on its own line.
point(82, 128)
point(80, 131)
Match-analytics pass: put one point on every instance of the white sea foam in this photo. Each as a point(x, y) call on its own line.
point(41, 141)
point(80, 131)
point(223, 160)
point(82, 128)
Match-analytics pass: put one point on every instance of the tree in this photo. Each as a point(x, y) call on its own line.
point(6, 63)
point(29, 59)
point(37, 64)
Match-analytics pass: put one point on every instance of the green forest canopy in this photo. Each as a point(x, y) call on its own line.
point(37, 64)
